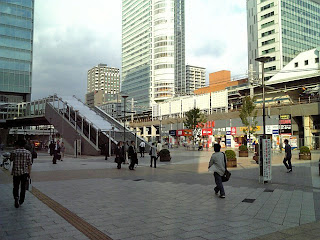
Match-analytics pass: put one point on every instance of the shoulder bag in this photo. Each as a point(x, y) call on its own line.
point(226, 176)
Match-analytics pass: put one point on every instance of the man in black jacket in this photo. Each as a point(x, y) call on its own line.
point(132, 154)
point(288, 156)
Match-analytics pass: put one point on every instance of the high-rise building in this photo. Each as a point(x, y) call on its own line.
point(281, 29)
point(153, 50)
point(195, 78)
point(105, 80)
point(16, 50)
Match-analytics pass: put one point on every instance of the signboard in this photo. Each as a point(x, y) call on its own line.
point(172, 133)
point(245, 129)
point(187, 132)
point(275, 132)
point(180, 133)
point(228, 141)
point(266, 159)
point(233, 131)
point(206, 131)
point(293, 142)
point(285, 124)
point(270, 128)
point(228, 130)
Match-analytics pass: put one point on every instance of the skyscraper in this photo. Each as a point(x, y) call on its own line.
point(153, 52)
point(281, 29)
point(16, 48)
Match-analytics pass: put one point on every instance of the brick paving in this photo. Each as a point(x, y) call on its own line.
point(174, 201)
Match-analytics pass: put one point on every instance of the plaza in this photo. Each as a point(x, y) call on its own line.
point(88, 198)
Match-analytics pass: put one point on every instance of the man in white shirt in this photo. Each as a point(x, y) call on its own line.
point(142, 147)
point(159, 147)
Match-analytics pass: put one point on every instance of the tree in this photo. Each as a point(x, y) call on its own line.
point(248, 115)
point(194, 118)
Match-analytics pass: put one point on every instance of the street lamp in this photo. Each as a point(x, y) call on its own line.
point(124, 117)
point(263, 60)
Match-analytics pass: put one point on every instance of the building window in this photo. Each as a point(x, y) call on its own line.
point(306, 62)
point(317, 60)
point(296, 65)
point(267, 24)
point(268, 51)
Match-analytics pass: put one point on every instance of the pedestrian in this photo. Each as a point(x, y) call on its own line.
point(21, 170)
point(119, 152)
point(287, 156)
point(51, 147)
point(142, 147)
point(153, 155)
point(126, 149)
point(56, 153)
point(159, 147)
point(62, 150)
point(217, 164)
point(132, 154)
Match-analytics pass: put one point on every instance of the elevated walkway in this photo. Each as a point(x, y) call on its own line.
point(74, 121)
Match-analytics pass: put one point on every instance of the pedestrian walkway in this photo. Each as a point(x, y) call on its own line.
point(89, 198)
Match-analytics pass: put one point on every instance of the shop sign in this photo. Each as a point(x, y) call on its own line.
point(228, 130)
point(228, 141)
point(233, 131)
point(271, 128)
point(285, 124)
point(266, 156)
point(285, 117)
point(180, 133)
point(275, 132)
point(245, 129)
point(187, 132)
point(206, 131)
point(173, 133)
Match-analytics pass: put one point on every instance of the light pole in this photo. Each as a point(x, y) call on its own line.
point(263, 60)
point(124, 117)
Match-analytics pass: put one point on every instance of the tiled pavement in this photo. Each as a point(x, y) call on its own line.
point(174, 201)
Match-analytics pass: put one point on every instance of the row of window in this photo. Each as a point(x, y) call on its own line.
point(160, 44)
point(267, 24)
point(267, 33)
point(268, 69)
point(15, 54)
point(306, 62)
point(267, 15)
point(268, 51)
point(15, 21)
point(162, 66)
point(273, 40)
point(267, 6)
point(15, 65)
point(15, 43)
point(302, 38)
point(16, 10)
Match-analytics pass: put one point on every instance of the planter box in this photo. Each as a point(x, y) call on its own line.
point(231, 163)
point(243, 154)
point(304, 156)
point(165, 158)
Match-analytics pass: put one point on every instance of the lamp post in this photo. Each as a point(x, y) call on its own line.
point(263, 60)
point(124, 117)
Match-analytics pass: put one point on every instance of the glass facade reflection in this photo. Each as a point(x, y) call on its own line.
point(16, 38)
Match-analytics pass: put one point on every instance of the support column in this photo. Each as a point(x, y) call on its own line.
point(307, 131)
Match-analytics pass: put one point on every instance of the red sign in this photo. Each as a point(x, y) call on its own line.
point(285, 121)
point(180, 133)
point(233, 131)
point(206, 131)
point(187, 132)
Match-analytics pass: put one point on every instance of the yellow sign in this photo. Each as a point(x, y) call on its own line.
point(285, 117)
point(245, 129)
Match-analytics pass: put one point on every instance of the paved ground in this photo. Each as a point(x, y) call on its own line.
point(88, 198)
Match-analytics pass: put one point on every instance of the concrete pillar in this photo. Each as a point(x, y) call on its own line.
point(307, 123)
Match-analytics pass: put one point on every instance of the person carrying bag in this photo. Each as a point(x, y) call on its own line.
point(218, 165)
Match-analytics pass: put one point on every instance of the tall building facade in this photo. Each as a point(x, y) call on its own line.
point(195, 78)
point(152, 49)
point(281, 29)
point(16, 50)
point(104, 79)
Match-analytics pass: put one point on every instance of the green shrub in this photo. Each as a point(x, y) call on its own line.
point(304, 149)
point(230, 154)
point(164, 152)
point(243, 148)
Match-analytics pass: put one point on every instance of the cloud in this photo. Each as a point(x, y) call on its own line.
point(72, 36)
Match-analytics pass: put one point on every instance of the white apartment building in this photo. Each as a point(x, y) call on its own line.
point(195, 78)
point(281, 29)
point(104, 78)
point(152, 49)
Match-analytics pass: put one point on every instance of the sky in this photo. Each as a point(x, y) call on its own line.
point(72, 36)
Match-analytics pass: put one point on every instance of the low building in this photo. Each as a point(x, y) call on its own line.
point(195, 78)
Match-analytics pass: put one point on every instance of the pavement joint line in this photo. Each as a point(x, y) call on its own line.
point(87, 229)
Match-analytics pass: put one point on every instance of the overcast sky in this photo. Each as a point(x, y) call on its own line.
point(72, 36)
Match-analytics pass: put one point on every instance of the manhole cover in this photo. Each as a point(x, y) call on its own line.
point(137, 180)
point(248, 200)
point(268, 190)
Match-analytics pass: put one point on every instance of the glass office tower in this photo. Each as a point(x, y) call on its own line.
point(153, 50)
point(281, 29)
point(16, 43)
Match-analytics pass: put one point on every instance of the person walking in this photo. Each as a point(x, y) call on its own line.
point(126, 149)
point(62, 150)
point(287, 156)
point(56, 153)
point(153, 155)
point(51, 148)
point(21, 170)
point(132, 154)
point(159, 147)
point(119, 152)
point(142, 147)
point(217, 164)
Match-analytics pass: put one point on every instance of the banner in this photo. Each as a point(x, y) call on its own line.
point(206, 131)
point(173, 133)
